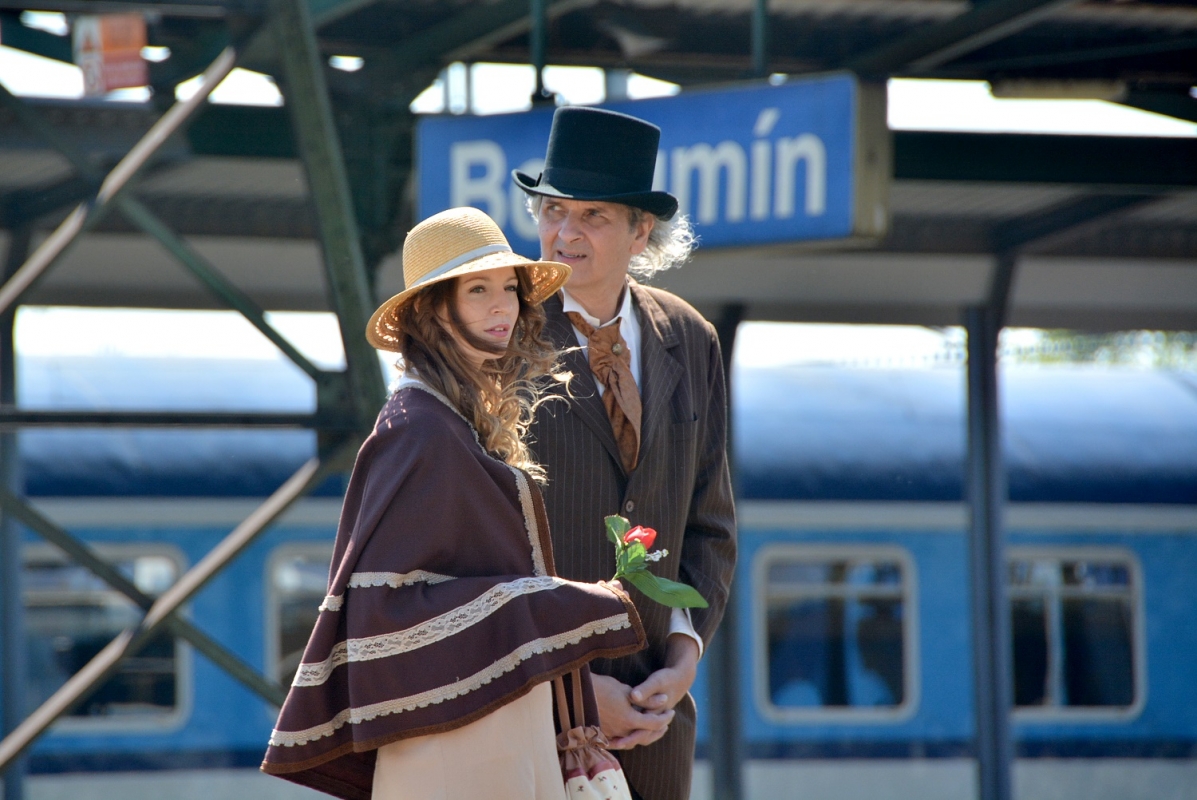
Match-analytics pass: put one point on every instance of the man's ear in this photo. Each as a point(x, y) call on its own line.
point(643, 228)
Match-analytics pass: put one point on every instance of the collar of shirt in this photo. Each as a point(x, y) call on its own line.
point(629, 328)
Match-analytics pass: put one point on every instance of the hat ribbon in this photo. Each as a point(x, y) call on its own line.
point(464, 258)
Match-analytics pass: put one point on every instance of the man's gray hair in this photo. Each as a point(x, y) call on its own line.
point(670, 243)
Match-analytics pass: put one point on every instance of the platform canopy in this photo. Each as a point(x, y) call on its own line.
point(1104, 228)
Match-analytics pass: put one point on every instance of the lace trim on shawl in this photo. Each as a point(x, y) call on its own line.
point(530, 525)
point(406, 382)
point(501, 667)
point(360, 580)
point(434, 630)
point(521, 480)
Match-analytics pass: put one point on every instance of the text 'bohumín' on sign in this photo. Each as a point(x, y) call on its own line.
point(808, 160)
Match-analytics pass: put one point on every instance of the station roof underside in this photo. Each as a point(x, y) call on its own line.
point(1105, 227)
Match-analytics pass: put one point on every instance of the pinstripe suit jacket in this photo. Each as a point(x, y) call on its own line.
point(681, 487)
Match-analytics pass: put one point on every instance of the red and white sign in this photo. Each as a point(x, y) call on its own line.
point(108, 50)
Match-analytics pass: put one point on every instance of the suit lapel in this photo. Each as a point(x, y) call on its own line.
point(585, 400)
point(659, 370)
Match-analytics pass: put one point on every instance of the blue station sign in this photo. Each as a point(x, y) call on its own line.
point(806, 160)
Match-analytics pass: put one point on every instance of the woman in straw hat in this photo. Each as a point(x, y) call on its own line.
point(426, 674)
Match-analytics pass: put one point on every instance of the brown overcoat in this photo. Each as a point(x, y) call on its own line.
point(681, 487)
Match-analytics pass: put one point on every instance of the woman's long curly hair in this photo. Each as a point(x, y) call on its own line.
point(498, 399)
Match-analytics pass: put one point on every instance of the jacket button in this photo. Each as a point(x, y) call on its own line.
point(629, 506)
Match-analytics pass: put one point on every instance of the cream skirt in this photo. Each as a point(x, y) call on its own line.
point(510, 754)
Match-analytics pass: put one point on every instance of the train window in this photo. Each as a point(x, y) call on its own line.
point(71, 615)
point(836, 627)
point(297, 580)
point(1074, 625)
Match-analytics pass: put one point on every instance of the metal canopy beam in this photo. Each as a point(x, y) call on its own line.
point(923, 50)
point(1079, 56)
point(1178, 103)
point(89, 213)
point(147, 221)
point(1129, 162)
point(14, 506)
point(469, 33)
point(80, 685)
point(320, 148)
point(11, 417)
point(1023, 231)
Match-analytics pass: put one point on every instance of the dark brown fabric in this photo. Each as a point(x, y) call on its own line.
point(611, 362)
point(437, 593)
point(681, 487)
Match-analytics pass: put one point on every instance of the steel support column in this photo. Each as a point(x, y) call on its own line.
point(536, 46)
point(306, 95)
point(726, 749)
point(760, 38)
point(992, 686)
point(12, 604)
point(80, 685)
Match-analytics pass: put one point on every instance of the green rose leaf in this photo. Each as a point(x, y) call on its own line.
point(637, 555)
point(617, 526)
point(666, 592)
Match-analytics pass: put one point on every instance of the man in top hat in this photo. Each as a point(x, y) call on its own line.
point(642, 430)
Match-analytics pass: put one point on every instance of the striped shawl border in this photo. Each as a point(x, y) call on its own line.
point(429, 632)
point(466, 685)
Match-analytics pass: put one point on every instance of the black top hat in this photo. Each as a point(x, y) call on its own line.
point(595, 154)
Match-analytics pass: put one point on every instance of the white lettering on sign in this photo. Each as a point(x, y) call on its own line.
point(708, 162)
point(478, 177)
point(762, 162)
point(766, 182)
point(790, 152)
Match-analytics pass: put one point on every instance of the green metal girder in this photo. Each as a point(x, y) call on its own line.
point(15, 35)
point(84, 682)
point(1178, 103)
point(1020, 232)
point(320, 149)
point(930, 46)
point(1125, 161)
point(177, 625)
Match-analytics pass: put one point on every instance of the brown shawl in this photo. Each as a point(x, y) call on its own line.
point(442, 604)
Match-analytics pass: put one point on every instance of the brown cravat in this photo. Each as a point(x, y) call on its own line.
point(611, 363)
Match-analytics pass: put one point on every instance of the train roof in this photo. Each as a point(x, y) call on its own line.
point(1071, 433)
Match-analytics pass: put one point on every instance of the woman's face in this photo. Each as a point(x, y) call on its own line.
point(488, 304)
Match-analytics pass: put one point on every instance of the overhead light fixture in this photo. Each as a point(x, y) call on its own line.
point(155, 54)
point(346, 63)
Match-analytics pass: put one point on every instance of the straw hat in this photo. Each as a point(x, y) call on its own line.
point(450, 244)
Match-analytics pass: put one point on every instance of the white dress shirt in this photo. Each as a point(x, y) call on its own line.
point(629, 329)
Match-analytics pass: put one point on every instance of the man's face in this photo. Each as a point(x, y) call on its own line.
point(596, 238)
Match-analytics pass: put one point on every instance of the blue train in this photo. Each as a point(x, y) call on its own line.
point(851, 591)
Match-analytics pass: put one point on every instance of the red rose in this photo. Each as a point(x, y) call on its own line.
point(641, 534)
